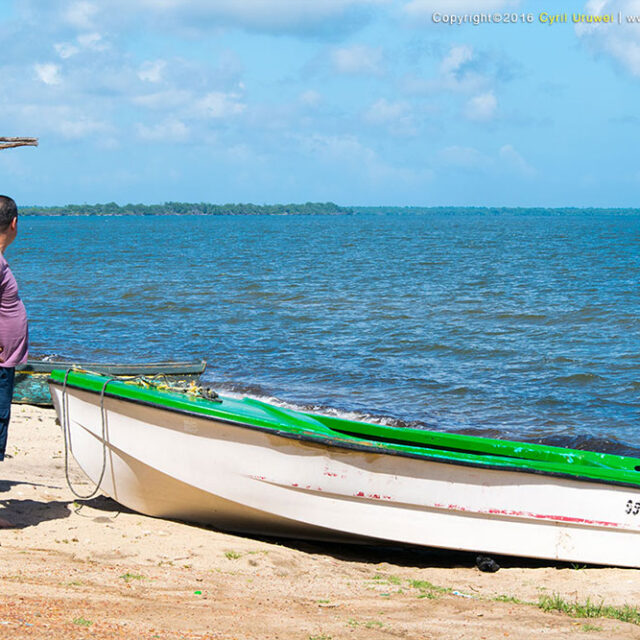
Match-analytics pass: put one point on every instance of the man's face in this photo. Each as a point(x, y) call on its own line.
point(12, 231)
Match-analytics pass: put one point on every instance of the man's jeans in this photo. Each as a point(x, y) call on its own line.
point(6, 393)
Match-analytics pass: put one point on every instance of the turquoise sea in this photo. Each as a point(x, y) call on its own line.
point(521, 325)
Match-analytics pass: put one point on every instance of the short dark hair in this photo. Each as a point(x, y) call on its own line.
point(8, 211)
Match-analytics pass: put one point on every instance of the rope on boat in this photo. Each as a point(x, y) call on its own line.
point(66, 434)
point(163, 382)
point(192, 389)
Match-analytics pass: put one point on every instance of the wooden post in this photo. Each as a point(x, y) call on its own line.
point(8, 143)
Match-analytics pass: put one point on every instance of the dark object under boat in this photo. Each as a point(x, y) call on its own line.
point(31, 378)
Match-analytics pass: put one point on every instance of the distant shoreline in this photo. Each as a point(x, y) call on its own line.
point(189, 208)
point(308, 208)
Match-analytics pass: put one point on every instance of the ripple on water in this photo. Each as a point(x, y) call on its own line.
point(515, 324)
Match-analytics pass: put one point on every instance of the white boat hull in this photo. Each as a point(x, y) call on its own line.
point(183, 466)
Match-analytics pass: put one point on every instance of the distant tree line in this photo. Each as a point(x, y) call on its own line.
point(181, 208)
point(308, 208)
point(495, 210)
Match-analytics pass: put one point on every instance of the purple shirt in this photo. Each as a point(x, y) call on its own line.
point(14, 331)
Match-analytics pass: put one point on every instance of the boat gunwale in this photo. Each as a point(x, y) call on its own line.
point(427, 455)
point(45, 367)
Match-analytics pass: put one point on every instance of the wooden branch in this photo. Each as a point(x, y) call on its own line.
point(9, 143)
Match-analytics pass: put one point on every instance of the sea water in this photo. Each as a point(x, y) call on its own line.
point(515, 324)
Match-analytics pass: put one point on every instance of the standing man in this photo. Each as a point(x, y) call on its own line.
point(14, 332)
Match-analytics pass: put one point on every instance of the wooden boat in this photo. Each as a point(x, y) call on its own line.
point(31, 378)
point(247, 466)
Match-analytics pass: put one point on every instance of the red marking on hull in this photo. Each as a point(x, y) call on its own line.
point(451, 507)
point(529, 514)
point(372, 496)
point(557, 518)
point(308, 487)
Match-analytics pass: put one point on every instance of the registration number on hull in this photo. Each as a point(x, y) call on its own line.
point(632, 508)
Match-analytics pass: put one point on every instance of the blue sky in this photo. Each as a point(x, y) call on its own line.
point(354, 101)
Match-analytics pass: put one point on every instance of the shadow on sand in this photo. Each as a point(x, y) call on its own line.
point(23, 513)
point(20, 513)
point(26, 513)
point(401, 555)
point(109, 507)
point(408, 555)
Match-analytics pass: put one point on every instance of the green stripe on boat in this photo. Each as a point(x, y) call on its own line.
point(339, 432)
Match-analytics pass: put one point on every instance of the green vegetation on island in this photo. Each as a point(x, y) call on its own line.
point(308, 208)
point(381, 209)
point(182, 208)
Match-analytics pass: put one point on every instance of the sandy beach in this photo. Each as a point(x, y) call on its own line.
point(91, 569)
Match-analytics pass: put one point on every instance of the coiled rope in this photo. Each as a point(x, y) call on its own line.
point(193, 389)
point(66, 434)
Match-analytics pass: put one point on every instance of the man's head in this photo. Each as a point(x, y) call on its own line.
point(8, 211)
point(8, 221)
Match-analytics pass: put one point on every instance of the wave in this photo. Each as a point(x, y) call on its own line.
point(239, 391)
point(570, 438)
point(578, 378)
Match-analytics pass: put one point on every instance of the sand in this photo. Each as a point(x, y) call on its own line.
point(92, 569)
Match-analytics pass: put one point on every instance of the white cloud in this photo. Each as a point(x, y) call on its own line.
point(596, 6)
point(66, 49)
point(331, 147)
point(348, 153)
point(458, 72)
point(627, 52)
point(187, 92)
point(357, 59)
point(92, 41)
point(482, 107)
point(620, 41)
point(217, 104)
point(515, 161)
point(151, 71)
point(170, 99)
point(81, 127)
point(457, 56)
point(70, 122)
point(471, 159)
point(81, 15)
point(330, 19)
point(172, 130)
point(84, 42)
point(247, 7)
point(383, 111)
point(424, 8)
point(48, 73)
point(301, 17)
point(396, 115)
